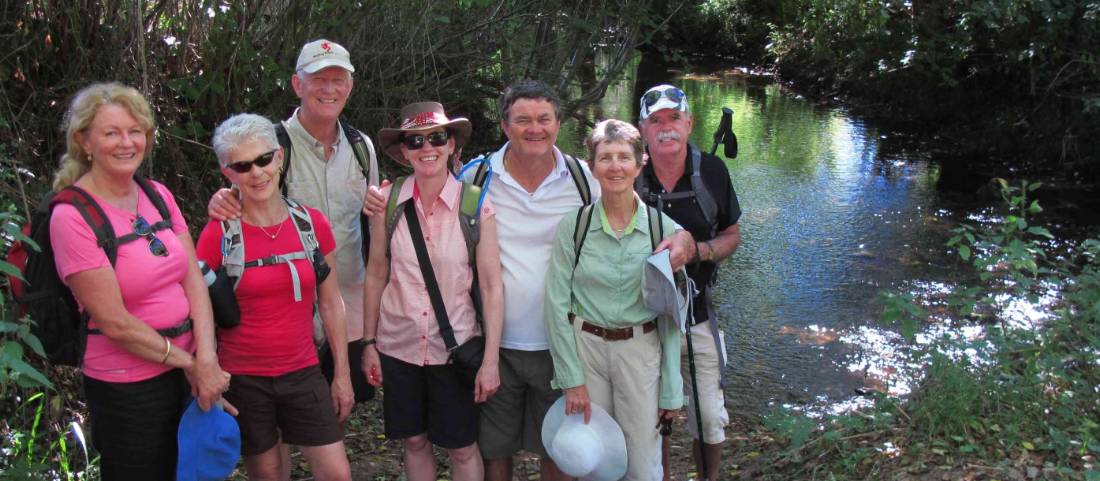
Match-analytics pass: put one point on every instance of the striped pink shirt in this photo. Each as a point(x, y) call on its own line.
point(407, 328)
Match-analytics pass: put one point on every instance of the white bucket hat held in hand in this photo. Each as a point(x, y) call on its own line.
point(667, 292)
point(590, 452)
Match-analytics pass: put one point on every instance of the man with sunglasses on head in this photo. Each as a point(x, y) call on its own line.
point(323, 171)
point(694, 189)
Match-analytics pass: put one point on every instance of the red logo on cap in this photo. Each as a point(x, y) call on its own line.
point(326, 46)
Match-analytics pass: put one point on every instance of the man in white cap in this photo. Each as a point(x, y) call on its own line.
point(329, 165)
point(695, 190)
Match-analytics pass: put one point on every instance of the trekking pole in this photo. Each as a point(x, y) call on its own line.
point(725, 136)
point(695, 399)
point(695, 385)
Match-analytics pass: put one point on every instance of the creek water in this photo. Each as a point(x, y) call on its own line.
point(833, 214)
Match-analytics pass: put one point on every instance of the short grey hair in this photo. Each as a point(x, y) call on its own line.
point(240, 129)
point(613, 130)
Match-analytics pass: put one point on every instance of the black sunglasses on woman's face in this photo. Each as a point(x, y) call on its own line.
point(246, 166)
point(416, 141)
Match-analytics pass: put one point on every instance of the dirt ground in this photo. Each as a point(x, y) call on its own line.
point(375, 458)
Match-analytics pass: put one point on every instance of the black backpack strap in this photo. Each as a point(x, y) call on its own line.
point(481, 174)
point(445, 329)
point(579, 179)
point(656, 228)
point(580, 232)
point(284, 142)
point(158, 202)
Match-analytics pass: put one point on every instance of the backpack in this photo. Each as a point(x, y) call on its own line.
point(703, 197)
point(58, 322)
point(483, 176)
point(360, 146)
point(469, 215)
point(233, 256)
point(363, 149)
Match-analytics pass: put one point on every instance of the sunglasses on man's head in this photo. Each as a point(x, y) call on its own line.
point(416, 141)
point(143, 229)
point(674, 94)
point(261, 162)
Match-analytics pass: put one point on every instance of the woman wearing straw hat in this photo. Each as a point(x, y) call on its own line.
point(608, 347)
point(427, 400)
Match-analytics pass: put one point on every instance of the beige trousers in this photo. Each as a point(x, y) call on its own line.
point(623, 377)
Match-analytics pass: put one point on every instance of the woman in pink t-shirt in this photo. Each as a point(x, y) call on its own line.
point(151, 333)
point(277, 383)
point(426, 400)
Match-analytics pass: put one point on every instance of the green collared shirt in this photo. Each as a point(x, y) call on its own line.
point(606, 290)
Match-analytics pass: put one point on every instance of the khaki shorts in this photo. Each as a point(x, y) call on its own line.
point(709, 376)
point(512, 418)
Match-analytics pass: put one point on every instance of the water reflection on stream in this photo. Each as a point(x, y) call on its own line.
point(833, 214)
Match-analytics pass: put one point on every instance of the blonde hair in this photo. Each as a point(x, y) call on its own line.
point(82, 110)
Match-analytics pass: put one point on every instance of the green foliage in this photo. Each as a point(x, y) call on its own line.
point(34, 440)
point(15, 334)
point(1016, 78)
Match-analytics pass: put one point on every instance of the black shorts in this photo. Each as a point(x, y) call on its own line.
point(296, 405)
point(427, 399)
point(134, 425)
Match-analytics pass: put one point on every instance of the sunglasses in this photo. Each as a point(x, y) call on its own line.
point(246, 166)
point(143, 229)
point(416, 141)
point(674, 94)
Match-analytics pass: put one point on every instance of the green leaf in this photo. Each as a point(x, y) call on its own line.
point(1034, 207)
point(1040, 231)
point(1028, 446)
point(964, 252)
point(32, 341)
point(11, 270)
point(25, 369)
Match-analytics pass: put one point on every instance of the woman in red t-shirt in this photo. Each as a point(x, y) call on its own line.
point(277, 383)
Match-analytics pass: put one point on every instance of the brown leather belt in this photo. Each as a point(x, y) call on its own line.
point(609, 334)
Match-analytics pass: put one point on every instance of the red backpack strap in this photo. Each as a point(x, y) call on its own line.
point(93, 215)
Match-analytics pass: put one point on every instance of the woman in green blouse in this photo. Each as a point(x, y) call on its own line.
point(608, 348)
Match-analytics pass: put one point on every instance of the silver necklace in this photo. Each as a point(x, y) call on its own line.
point(277, 231)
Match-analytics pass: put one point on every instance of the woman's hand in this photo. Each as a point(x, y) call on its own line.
point(208, 381)
point(487, 383)
point(343, 397)
point(374, 203)
point(576, 401)
point(372, 366)
point(224, 205)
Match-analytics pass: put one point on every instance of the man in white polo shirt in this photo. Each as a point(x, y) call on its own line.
point(532, 187)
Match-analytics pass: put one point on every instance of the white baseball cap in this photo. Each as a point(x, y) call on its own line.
point(662, 97)
point(322, 53)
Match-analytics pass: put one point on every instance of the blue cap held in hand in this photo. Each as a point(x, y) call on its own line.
point(209, 444)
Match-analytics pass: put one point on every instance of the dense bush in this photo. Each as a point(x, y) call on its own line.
point(200, 61)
